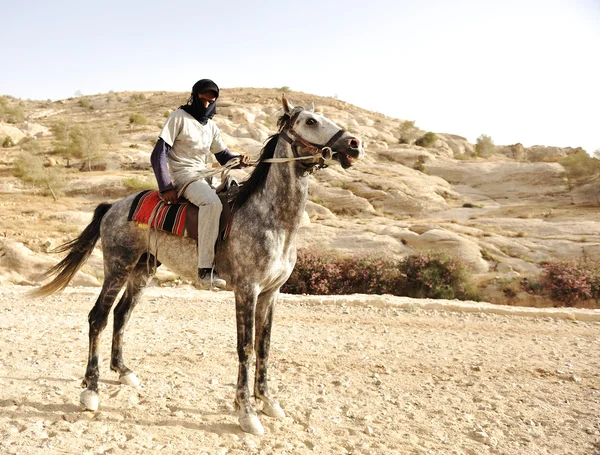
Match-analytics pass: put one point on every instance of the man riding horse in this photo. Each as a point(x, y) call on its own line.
point(180, 156)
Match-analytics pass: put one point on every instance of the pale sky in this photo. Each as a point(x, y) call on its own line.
point(517, 70)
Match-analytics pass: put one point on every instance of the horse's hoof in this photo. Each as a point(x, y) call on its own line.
point(89, 399)
point(273, 410)
point(251, 424)
point(129, 379)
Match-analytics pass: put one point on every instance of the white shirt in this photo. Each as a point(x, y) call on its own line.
point(193, 144)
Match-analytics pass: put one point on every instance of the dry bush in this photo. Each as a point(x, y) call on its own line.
point(30, 168)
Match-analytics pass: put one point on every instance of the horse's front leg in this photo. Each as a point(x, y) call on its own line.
point(245, 304)
point(264, 322)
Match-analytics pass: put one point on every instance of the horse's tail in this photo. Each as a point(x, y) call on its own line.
point(79, 251)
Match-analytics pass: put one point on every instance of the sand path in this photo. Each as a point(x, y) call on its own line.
point(359, 374)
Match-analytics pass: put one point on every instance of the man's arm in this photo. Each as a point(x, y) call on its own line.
point(224, 156)
point(159, 165)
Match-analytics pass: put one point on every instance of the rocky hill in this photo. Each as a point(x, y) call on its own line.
point(503, 214)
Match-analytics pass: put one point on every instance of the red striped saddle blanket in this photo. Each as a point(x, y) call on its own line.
point(179, 219)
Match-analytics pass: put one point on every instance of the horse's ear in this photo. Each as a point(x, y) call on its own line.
point(311, 108)
point(287, 107)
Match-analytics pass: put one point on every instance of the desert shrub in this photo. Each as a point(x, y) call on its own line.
point(87, 143)
point(326, 272)
point(427, 275)
point(137, 97)
point(419, 165)
point(30, 168)
point(109, 137)
point(580, 167)
point(571, 281)
point(437, 276)
point(427, 140)
point(30, 145)
point(86, 103)
point(485, 146)
point(9, 112)
point(8, 142)
point(140, 183)
point(285, 89)
point(408, 132)
point(138, 119)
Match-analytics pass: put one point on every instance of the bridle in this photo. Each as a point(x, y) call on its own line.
point(323, 151)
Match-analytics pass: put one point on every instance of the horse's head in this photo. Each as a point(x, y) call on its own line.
point(320, 136)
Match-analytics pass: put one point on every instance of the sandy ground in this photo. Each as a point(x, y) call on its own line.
point(360, 375)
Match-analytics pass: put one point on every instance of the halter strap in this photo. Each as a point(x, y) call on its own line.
point(307, 144)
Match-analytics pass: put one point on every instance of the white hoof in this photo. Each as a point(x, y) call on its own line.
point(251, 424)
point(89, 399)
point(129, 379)
point(273, 410)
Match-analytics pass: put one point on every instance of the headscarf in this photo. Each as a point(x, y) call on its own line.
point(194, 106)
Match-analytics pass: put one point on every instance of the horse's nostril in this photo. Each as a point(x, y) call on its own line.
point(354, 143)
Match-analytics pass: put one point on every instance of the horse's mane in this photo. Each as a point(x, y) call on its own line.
point(258, 177)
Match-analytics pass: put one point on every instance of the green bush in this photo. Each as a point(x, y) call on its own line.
point(427, 140)
point(138, 119)
point(437, 276)
point(424, 275)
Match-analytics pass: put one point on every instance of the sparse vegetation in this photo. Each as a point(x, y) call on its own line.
point(10, 111)
point(408, 132)
point(485, 146)
point(138, 119)
point(580, 168)
point(7, 142)
point(427, 140)
point(140, 183)
point(30, 168)
point(87, 141)
point(138, 97)
point(81, 141)
point(339, 184)
point(419, 165)
point(85, 103)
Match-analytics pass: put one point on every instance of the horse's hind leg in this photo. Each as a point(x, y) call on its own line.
point(98, 317)
point(138, 279)
point(264, 322)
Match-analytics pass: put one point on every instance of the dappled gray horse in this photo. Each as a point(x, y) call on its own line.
point(256, 258)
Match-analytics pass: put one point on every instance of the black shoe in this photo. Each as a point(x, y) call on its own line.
point(209, 279)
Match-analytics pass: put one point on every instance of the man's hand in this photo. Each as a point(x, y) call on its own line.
point(169, 197)
point(244, 160)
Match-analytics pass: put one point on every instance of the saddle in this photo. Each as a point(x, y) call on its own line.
point(182, 218)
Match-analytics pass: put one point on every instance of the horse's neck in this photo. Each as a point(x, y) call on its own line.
point(285, 191)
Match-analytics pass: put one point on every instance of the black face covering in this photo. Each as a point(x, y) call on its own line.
point(195, 108)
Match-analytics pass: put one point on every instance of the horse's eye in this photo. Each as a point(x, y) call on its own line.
point(311, 121)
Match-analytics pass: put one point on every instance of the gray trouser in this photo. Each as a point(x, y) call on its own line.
point(209, 211)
